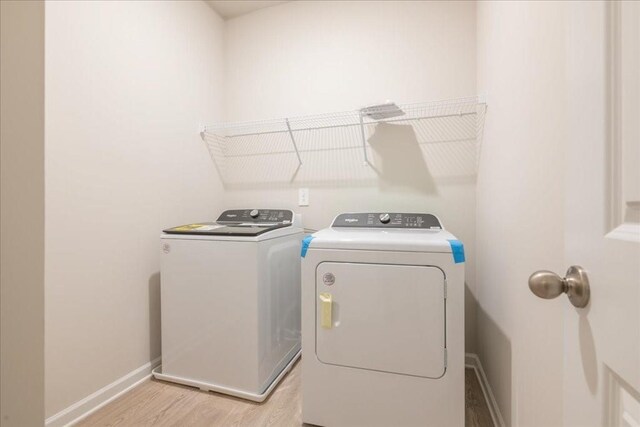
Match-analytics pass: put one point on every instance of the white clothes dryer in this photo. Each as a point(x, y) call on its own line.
point(230, 301)
point(383, 323)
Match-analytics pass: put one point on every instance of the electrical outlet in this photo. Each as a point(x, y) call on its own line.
point(303, 197)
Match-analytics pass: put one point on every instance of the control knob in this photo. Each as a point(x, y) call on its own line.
point(385, 218)
point(254, 213)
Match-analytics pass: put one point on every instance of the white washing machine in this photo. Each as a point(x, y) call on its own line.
point(230, 300)
point(383, 323)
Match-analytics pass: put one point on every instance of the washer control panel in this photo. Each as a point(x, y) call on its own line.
point(420, 221)
point(276, 216)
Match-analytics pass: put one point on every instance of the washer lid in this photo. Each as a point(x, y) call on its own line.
point(215, 229)
point(239, 222)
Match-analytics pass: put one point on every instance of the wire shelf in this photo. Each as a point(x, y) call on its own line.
point(276, 149)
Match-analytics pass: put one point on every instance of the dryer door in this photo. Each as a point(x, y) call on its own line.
point(381, 317)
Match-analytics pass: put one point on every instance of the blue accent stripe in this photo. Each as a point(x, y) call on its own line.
point(305, 245)
point(457, 250)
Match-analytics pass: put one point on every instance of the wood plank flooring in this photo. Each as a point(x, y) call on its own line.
point(476, 410)
point(158, 403)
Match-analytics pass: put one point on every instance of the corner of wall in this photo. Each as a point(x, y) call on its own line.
point(22, 213)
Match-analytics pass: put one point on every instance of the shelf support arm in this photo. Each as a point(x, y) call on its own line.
point(364, 142)
point(293, 140)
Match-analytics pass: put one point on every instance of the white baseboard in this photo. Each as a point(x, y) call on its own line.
point(102, 397)
point(473, 361)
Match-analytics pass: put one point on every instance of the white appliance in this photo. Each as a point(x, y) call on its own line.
point(383, 323)
point(230, 300)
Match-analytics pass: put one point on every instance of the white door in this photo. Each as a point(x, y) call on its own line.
point(383, 317)
point(602, 234)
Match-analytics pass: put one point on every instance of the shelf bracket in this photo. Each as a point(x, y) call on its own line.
point(364, 142)
point(293, 140)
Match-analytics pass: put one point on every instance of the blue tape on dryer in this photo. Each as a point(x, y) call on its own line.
point(457, 250)
point(305, 245)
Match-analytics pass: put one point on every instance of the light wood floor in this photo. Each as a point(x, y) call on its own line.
point(157, 403)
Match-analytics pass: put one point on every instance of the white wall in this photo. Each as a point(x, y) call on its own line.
point(520, 218)
point(309, 57)
point(22, 213)
point(127, 85)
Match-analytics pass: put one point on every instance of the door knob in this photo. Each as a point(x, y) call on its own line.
point(548, 285)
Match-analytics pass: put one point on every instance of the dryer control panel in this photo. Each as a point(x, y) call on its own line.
point(420, 221)
point(276, 216)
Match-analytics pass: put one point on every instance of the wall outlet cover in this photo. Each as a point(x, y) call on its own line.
point(303, 197)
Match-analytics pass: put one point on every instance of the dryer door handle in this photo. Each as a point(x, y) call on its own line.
point(326, 303)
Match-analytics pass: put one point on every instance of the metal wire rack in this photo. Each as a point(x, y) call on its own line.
point(300, 137)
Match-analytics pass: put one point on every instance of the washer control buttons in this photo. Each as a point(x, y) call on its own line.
point(254, 213)
point(385, 218)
